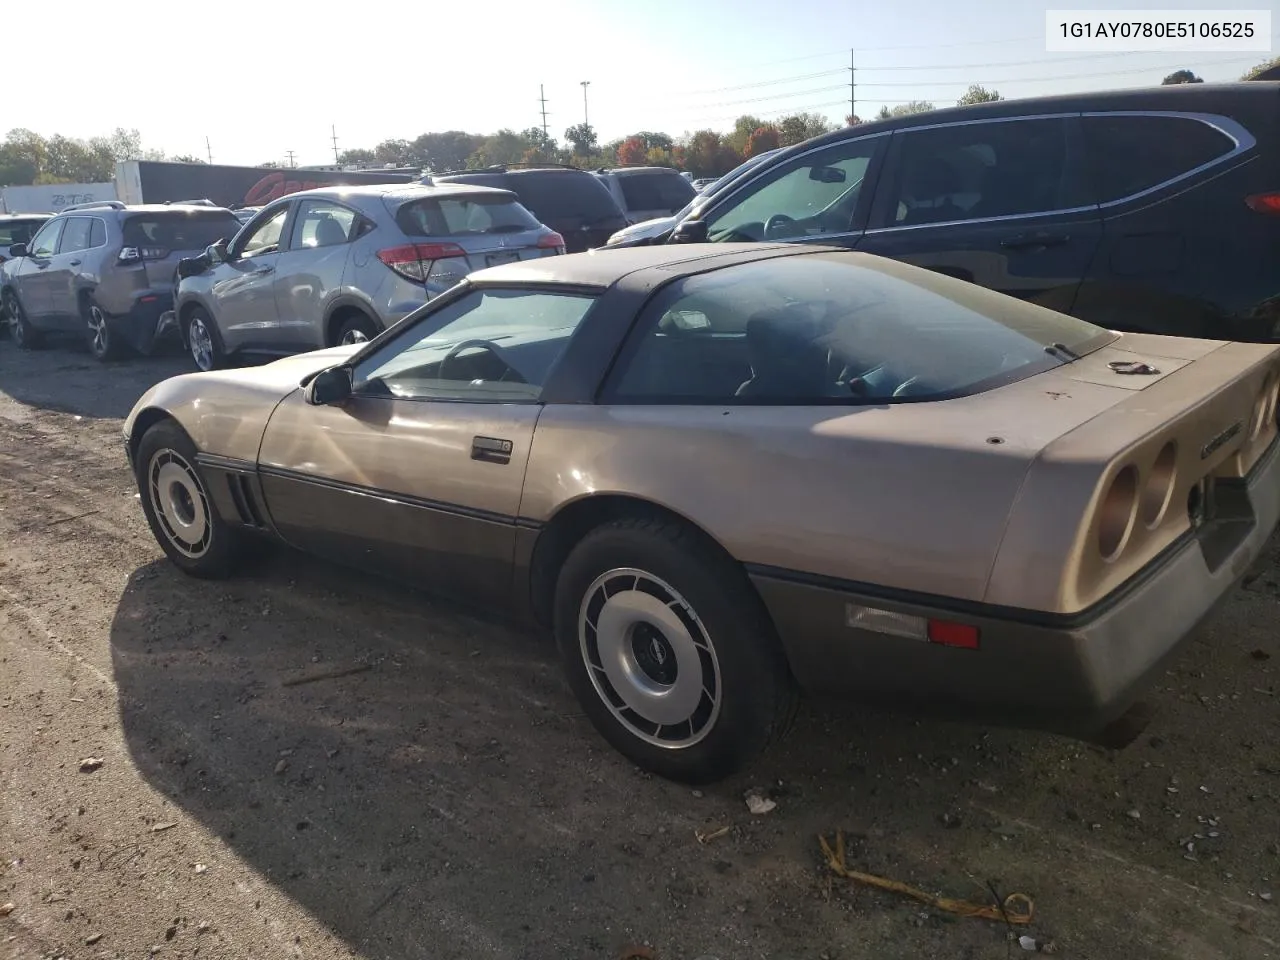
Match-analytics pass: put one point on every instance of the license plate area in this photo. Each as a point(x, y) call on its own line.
point(495, 259)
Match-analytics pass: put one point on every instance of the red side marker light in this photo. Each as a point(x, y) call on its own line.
point(1264, 203)
point(950, 634)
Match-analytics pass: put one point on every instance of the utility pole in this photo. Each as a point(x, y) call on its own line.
point(853, 99)
point(585, 84)
point(208, 150)
point(291, 163)
point(542, 97)
point(334, 130)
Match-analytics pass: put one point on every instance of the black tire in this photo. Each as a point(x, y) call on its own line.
point(167, 458)
point(742, 661)
point(206, 350)
point(23, 334)
point(101, 336)
point(356, 328)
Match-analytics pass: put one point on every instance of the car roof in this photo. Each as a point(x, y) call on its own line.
point(25, 216)
point(400, 191)
point(1207, 97)
point(604, 267)
point(632, 171)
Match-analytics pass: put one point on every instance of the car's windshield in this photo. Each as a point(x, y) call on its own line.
point(705, 194)
point(179, 230)
point(837, 327)
point(464, 216)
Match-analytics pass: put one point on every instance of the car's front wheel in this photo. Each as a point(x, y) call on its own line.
point(25, 336)
point(176, 501)
point(202, 340)
point(670, 650)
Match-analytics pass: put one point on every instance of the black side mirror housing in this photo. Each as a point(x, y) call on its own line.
point(329, 387)
point(689, 231)
point(18, 250)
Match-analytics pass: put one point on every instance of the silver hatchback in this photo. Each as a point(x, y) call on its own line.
point(341, 264)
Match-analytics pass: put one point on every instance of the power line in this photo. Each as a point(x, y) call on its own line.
point(773, 96)
point(911, 46)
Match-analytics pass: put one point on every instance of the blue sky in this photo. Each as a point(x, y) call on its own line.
point(267, 77)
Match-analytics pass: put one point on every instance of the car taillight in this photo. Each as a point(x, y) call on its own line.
point(551, 240)
point(1264, 203)
point(947, 633)
point(413, 261)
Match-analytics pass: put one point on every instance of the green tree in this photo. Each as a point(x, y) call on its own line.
point(358, 155)
point(186, 158)
point(448, 150)
point(1267, 70)
point(1180, 76)
point(505, 146)
point(977, 93)
point(583, 138)
point(798, 127)
point(904, 109)
point(707, 154)
point(393, 151)
point(743, 128)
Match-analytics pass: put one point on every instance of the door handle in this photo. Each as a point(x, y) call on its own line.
point(491, 449)
point(262, 271)
point(1040, 238)
point(42, 266)
point(75, 263)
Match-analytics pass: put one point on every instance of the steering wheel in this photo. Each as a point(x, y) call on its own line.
point(774, 222)
point(487, 345)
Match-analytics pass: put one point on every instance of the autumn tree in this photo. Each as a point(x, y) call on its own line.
point(977, 93)
point(743, 128)
point(762, 140)
point(708, 155)
point(1180, 76)
point(632, 152)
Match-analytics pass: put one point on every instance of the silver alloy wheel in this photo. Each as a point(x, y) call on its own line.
point(200, 342)
point(649, 658)
point(179, 502)
point(354, 336)
point(98, 328)
point(16, 330)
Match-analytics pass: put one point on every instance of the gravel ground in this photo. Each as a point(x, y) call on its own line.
point(451, 800)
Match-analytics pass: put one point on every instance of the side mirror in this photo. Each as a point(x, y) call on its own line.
point(689, 231)
point(329, 387)
point(18, 250)
point(217, 252)
point(827, 174)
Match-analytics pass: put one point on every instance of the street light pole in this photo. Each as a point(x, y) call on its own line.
point(585, 84)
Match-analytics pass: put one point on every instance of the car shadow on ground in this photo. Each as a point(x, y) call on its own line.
point(452, 794)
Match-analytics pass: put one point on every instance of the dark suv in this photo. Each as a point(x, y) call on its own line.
point(1153, 210)
point(105, 271)
point(572, 202)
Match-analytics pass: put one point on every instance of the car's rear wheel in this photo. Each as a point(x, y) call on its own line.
point(25, 336)
point(670, 650)
point(102, 337)
point(176, 501)
point(357, 328)
point(201, 336)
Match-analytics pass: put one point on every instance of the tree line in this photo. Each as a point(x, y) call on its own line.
point(28, 158)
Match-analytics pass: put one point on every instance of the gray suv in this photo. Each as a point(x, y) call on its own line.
point(104, 271)
point(341, 264)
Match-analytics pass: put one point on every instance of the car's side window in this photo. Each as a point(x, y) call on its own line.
point(488, 345)
point(974, 171)
point(45, 243)
point(321, 223)
point(812, 195)
point(97, 233)
point(75, 235)
point(1130, 154)
point(266, 237)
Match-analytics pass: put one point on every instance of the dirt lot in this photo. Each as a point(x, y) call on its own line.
point(451, 801)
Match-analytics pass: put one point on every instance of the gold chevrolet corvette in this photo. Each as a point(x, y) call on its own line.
point(723, 474)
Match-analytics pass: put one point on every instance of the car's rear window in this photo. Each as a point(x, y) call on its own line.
point(660, 190)
point(554, 194)
point(17, 231)
point(463, 216)
point(826, 328)
point(179, 230)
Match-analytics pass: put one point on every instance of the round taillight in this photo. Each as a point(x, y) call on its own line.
point(1117, 511)
point(1158, 489)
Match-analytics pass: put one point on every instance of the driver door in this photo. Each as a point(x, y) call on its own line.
point(418, 475)
point(244, 296)
point(823, 195)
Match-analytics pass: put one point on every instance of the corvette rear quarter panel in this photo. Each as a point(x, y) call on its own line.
point(912, 496)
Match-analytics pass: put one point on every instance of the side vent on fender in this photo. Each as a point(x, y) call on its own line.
point(242, 495)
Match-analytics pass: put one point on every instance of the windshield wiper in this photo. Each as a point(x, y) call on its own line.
point(1061, 350)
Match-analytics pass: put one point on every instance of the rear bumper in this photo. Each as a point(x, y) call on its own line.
point(1071, 674)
